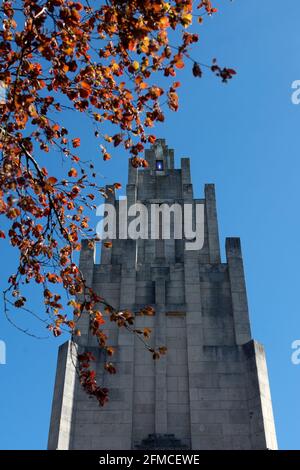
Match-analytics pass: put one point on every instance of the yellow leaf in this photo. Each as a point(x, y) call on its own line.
point(164, 22)
point(187, 19)
point(135, 65)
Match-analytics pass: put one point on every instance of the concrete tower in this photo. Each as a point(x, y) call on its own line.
point(211, 389)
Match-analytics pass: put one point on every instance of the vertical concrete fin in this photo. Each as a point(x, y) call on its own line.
point(86, 266)
point(87, 259)
point(161, 404)
point(262, 427)
point(129, 256)
point(160, 291)
point(185, 171)
point(131, 188)
point(126, 345)
point(132, 173)
point(170, 159)
point(106, 253)
point(194, 337)
point(150, 157)
point(161, 421)
point(187, 187)
point(238, 290)
point(212, 224)
point(62, 405)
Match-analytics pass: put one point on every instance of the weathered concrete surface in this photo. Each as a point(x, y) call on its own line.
point(211, 390)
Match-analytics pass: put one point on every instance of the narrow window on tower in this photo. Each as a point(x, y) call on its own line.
point(159, 165)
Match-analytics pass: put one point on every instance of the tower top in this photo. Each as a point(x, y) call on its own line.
point(160, 157)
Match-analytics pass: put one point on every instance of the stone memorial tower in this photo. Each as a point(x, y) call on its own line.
point(211, 389)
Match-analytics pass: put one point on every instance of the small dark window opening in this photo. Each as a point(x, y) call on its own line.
point(159, 165)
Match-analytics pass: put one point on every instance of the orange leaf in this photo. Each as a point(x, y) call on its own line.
point(99, 317)
point(52, 180)
point(85, 86)
point(72, 173)
point(132, 45)
point(110, 350)
point(164, 22)
point(76, 142)
point(162, 349)
point(151, 139)
point(179, 64)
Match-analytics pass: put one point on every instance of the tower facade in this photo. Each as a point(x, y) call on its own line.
point(211, 389)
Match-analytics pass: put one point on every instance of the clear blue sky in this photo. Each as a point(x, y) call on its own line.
point(244, 137)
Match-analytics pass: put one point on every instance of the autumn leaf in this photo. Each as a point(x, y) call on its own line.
point(20, 302)
point(76, 142)
point(117, 139)
point(110, 351)
point(72, 173)
point(135, 65)
point(173, 101)
point(52, 180)
point(109, 367)
point(148, 310)
point(98, 318)
point(147, 332)
point(197, 72)
point(54, 278)
point(186, 19)
point(151, 139)
point(179, 64)
point(162, 349)
point(56, 331)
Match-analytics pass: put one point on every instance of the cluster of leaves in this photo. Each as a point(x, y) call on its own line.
point(86, 372)
point(87, 377)
point(97, 59)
